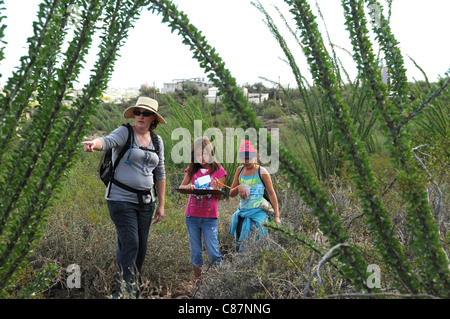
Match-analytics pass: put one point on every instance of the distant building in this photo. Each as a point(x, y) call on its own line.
point(180, 85)
point(256, 98)
point(212, 96)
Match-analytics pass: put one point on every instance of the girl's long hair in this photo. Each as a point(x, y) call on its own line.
point(206, 147)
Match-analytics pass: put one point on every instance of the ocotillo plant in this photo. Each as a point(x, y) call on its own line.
point(322, 71)
point(395, 113)
point(237, 104)
point(313, 122)
point(323, 74)
point(36, 152)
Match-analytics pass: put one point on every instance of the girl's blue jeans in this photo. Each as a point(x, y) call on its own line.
point(132, 226)
point(208, 228)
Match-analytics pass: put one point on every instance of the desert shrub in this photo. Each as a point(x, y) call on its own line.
point(272, 112)
point(269, 268)
point(71, 239)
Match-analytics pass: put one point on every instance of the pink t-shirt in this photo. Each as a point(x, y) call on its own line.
point(204, 206)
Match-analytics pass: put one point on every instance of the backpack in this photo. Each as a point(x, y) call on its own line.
point(106, 167)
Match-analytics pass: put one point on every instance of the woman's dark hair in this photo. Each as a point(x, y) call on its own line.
point(153, 125)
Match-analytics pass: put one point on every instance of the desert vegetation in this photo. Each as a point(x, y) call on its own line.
point(362, 183)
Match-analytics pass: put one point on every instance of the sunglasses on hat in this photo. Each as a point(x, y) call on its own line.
point(145, 113)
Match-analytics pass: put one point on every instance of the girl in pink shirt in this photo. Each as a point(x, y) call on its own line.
point(202, 210)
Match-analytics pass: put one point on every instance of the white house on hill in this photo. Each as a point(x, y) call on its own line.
point(256, 98)
point(179, 85)
point(212, 96)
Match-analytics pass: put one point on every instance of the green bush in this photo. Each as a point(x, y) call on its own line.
point(272, 112)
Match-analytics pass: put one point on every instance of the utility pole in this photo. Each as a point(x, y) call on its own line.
point(279, 93)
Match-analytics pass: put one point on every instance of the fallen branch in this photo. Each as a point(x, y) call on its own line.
point(301, 238)
point(323, 261)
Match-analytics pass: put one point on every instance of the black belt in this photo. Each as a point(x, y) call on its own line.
point(140, 193)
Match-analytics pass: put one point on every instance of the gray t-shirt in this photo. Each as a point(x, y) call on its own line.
point(138, 174)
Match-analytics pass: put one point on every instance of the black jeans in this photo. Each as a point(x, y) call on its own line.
point(132, 226)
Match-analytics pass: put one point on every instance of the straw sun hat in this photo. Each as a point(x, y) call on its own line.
point(144, 103)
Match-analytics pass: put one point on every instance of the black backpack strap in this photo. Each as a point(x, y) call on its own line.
point(155, 140)
point(265, 195)
point(126, 146)
point(259, 175)
point(240, 171)
point(121, 153)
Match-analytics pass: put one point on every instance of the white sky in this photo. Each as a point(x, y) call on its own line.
point(235, 28)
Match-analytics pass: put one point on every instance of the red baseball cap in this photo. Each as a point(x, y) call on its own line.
point(246, 150)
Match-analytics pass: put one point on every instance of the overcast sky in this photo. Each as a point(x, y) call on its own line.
point(236, 29)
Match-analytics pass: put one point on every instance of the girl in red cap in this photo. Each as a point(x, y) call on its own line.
point(249, 182)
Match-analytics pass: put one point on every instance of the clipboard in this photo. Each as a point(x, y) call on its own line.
point(201, 191)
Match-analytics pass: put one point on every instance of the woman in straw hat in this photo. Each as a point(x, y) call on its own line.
point(130, 196)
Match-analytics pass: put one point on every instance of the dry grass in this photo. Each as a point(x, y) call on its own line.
point(80, 232)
